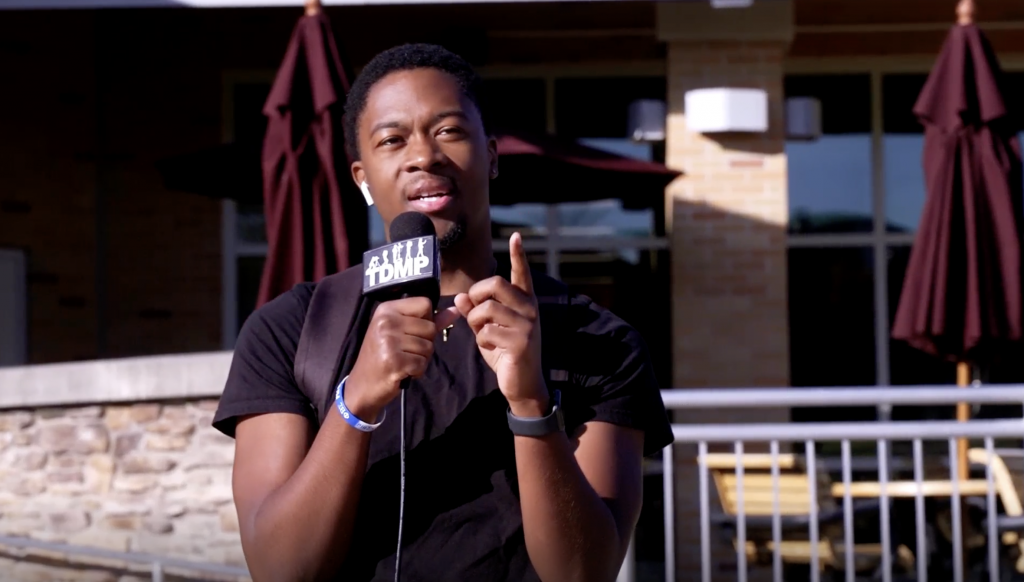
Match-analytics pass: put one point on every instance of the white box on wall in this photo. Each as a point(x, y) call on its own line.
point(725, 109)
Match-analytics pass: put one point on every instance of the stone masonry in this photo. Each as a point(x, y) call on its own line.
point(148, 477)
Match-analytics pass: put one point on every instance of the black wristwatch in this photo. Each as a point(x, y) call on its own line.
point(540, 426)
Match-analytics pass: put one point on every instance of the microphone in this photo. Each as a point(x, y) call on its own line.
point(409, 266)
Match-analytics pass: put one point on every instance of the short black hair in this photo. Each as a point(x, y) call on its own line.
point(405, 57)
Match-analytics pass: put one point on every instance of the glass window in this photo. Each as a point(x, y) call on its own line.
point(903, 144)
point(830, 177)
point(637, 291)
point(250, 224)
point(250, 124)
point(831, 322)
point(622, 146)
point(599, 107)
point(593, 218)
point(250, 270)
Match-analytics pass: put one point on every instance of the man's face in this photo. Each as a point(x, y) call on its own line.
point(423, 148)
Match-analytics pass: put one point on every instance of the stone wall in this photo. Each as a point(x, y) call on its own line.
point(148, 477)
point(152, 478)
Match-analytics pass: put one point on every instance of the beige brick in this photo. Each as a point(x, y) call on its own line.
point(728, 219)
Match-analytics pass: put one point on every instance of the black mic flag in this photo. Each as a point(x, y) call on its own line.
point(408, 266)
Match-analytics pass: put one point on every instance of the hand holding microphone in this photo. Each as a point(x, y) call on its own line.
point(404, 276)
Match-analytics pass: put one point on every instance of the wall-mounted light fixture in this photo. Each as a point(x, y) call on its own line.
point(647, 120)
point(725, 109)
point(803, 118)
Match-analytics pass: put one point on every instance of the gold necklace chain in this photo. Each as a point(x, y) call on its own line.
point(444, 332)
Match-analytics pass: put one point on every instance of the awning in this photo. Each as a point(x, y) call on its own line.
point(533, 168)
point(94, 4)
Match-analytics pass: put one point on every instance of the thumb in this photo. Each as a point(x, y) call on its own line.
point(446, 317)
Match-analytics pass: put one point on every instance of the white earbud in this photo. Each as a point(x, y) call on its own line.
point(366, 193)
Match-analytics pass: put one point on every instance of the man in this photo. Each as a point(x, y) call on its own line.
point(483, 502)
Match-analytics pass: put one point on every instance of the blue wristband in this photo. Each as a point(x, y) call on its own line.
point(339, 401)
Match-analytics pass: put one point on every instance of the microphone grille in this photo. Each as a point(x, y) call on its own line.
point(411, 225)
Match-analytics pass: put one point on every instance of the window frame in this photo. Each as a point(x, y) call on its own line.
point(878, 239)
point(233, 249)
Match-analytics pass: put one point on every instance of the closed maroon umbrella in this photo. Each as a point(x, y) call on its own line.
point(961, 299)
point(305, 170)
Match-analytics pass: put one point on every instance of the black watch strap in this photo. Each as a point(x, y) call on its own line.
point(544, 425)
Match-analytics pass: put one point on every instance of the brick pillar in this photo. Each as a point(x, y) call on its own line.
point(48, 161)
point(727, 218)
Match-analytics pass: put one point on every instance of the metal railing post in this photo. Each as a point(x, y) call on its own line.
point(627, 573)
point(158, 572)
point(668, 477)
point(891, 482)
point(156, 563)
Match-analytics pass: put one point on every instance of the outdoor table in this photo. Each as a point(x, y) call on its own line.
point(909, 488)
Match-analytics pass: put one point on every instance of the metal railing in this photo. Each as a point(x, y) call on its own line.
point(810, 435)
point(157, 565)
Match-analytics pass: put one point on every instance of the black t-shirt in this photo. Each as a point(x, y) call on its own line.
point(462, 512)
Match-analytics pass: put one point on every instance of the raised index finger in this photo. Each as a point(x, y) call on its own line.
point(521, 276)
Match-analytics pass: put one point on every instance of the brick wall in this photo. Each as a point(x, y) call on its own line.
point(47, 194)
point(94, 107)
point(163, 248)
point(728, 218)
point(728, 226)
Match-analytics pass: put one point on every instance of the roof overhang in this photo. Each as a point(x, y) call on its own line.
point(97, 4)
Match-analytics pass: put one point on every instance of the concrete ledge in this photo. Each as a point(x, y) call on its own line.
point(171, 377)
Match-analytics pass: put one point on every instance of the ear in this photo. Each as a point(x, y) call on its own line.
point(358, 175)
point(492, 155)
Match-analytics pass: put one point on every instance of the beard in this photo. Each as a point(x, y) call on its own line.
point(453, 235)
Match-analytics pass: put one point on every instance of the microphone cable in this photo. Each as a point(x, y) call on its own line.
point(401, 491)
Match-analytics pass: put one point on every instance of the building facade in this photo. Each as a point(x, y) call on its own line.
point(773, 261)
